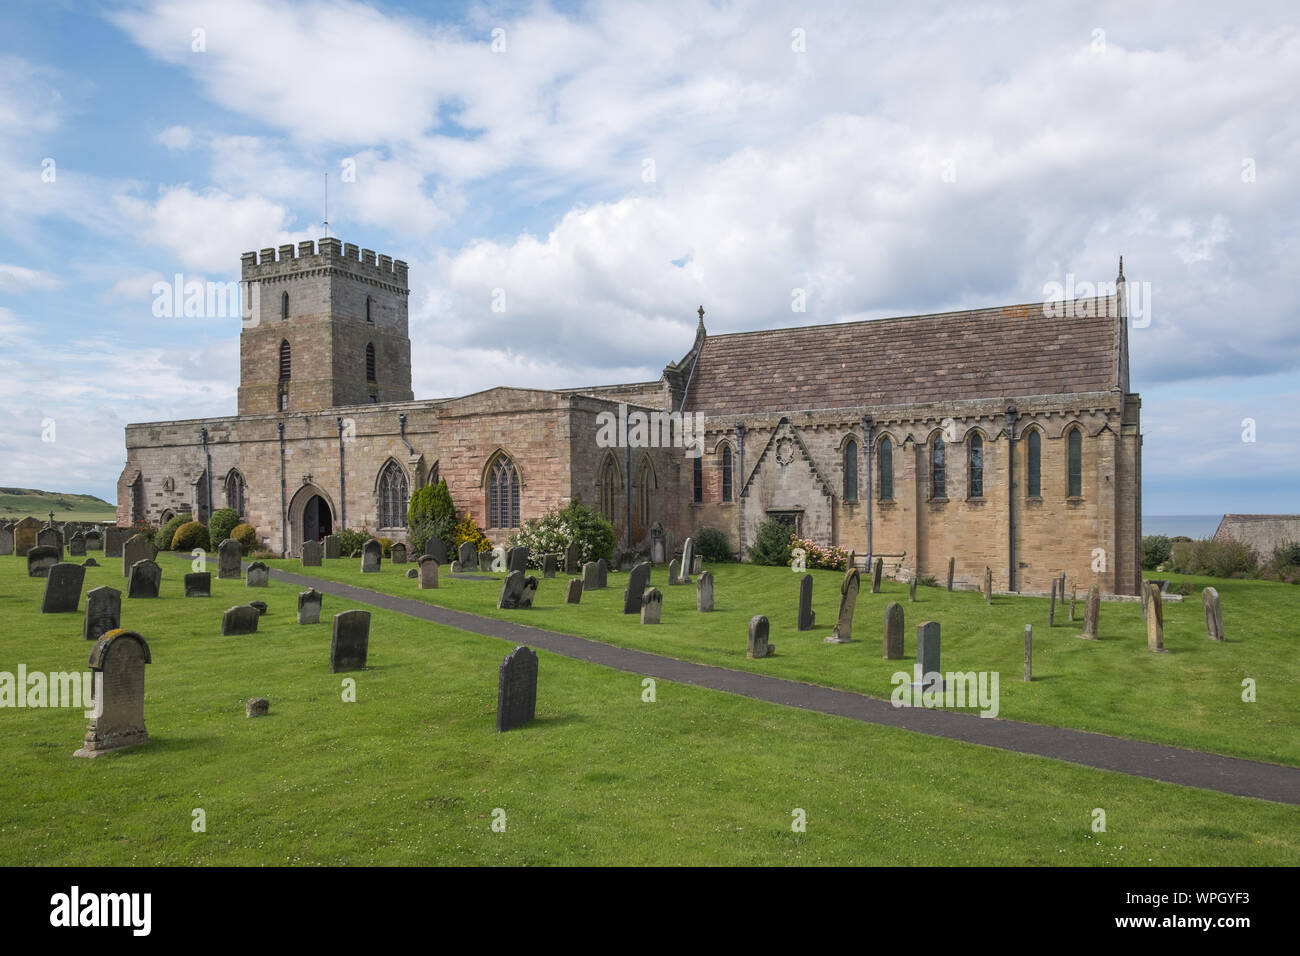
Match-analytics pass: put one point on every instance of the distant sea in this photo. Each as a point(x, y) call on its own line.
point(1190, 526)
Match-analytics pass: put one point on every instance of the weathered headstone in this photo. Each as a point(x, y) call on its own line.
point(467, 554)
point(412, 573)
point(1213, 614)
point(1091, 611)
point(952, 566)
point(50, 538)
point(1061, 590)
point(6, 541)
point(241, 619)
point(548, 566)
point(229, 559)
point(517, 689)
point(332, 547)
point(758, 646)
point(602, 574)
point(688, 561)
point(988, 585)
point(257, 707)
point(311, 554)
point(927, 656)
point(673, 571)
point(893, 642)
point(1051, 610)
point(637, 579)
point(1029, 653)
point(397, 553)
point(372, 556)
point(428, 573)
point(137, 548)
point(94, 541)
point(258, 575)
point(652, 606)
point(1155, 620)
point(589, 576)
point(512, 589)
point(484, 562)
point(40, 559)
point(572, 558)
point(1072, 590)
point(704, 592)
point(697, 564)
point(350, 641)
point(911, 589)
point(517, 559)
point(198, 584)
point(261, 606)
point(309, 603)
point(434, 548)
point(807, 616)
point(843, 633)
point(115, 539)
point(145, 580)
point(25, 532)
point(670, 545)
point(877, 572)
point(118, 660)
point(529, 592)
point(77, 545)
point(63, 589)
point(574, 594)
point(90, 563)
point(103, 612)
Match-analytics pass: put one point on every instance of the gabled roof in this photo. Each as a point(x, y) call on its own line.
point(984, 353)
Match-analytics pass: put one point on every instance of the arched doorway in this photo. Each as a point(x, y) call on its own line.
point(311, 517)
point(316, 521)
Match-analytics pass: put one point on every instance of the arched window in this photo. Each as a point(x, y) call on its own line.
point(284, 305)
point(1075, 459)
point(726, 473)
point(697, 477)
point(608, 488)
point(886, 469)
point(369, 317)
point(392, 496)
point(645, 483)
point(284, 361)
point(1035, 464)
point(503, 494)
point(938, 469)
point(370, 362)
point(851, 470)
point(235, 491)
point(976, 466)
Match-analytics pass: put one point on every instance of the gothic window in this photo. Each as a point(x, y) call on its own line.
point(503, 494)
point(851, 470)
point(938, 469)
point(697, 469)
point(284, 305)
point(726, 473)
point(285, 363)
point(370, 362)
point(886, 454)
point(608, 488)
point(235, 491)
point(976, 466)
point(1035, 464)
point(1075, 452)
point(392, 496)
point(645, 483)
point(369, 316)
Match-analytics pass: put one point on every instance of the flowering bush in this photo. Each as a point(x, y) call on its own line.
point(831, 557)
point(551, 534)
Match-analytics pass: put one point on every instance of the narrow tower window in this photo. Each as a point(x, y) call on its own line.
point(938, 470)
point(1035, 464)
point(1076, 464)
point(886, 469)
point(976, 466)
point(726, 472)
point(284, 305)
point(851, 470)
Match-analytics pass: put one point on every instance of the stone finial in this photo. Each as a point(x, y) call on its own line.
point(701, 316)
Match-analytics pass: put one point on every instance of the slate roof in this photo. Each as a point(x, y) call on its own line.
point(983, 353)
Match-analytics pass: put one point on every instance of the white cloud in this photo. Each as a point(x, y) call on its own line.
point(177, 137)
point(13, 278)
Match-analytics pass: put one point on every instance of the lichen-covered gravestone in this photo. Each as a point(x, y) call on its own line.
point(697, 565)
point(574, 594)
point(807, 616)
point(843, 633)
point(241, 619)
point(103, 612)
point(512, 588)
point(674, 570)
point(428, 573)
point(25, 532)
point(704, 592)
point(117, 660)
point(589, 579)
point(893, 641)
point(311, 554)
point(63, 589)
point(1213, 614)
point(398, 553)
point(145, 580)
point(637, 579)
point(1091, 612)
point(137, 548)
point(350, 642)
point(309, 603)
point(652, 606)
point(198, 584)
point(331, 547)
point(258, 576)
point(40, 559)
point(372, 556)
point(229, 556)
point(758, 646)
point(468, 556)
point(517, 689)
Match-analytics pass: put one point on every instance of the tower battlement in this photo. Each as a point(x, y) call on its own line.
point(327, 253)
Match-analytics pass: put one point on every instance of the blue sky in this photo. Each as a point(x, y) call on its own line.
point(612, 166)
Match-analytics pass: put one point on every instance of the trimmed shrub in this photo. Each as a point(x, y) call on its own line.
point(418, 535)
point(429, 504)
point(552, 533)
point(223, 522)
point(771, 543)
point(246, 535)
point(162, 541)
point(713, 546)
point(350, 541)
point(1156, 550)
point(467, 529)
point(191, 535)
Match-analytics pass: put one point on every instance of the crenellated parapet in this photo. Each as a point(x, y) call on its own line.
point(328, 254)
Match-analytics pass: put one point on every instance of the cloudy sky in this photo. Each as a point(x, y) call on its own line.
point(612, 166)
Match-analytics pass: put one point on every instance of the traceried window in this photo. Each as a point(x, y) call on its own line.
point(645, 483)
point(851, 470)
point(938, 469)
point(886, 455)
point(392, 496)
point(697, 476)
point(608, 488)
point(976, 466)
point(235, 491)
point(726, 473)
point(1035, 464)
point(503, 494)
point(1075, 459)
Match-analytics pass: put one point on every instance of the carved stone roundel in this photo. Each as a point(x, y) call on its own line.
point(784, 452)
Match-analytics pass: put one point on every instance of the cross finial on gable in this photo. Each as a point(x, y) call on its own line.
point(701, 315)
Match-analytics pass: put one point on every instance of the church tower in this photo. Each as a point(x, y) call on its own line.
point(324, 327)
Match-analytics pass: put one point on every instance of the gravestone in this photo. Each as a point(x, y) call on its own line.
point(911, 589)
point(529, 592)
point(311, 554)
point(115, 539)
point(261, 606)
point(851, 560)
point(241, 619)
point(1072, 590)
point(652, 606)
point(893, 643)
point(428, 573)
point(467, 555)
point(331, 547)
point(372, 556)
point(229, 558)
point(40, 560)
point(145, 580)
point(1091, 611)
point(589, 576)
point(704, 592)
point(517, 689)
point(198, 584)
point(517, 560)
point(90, 563)
point(688, 561)
point(758, 646)
point(103, 612)
point(602, 574)
point(257, 707)
point(807, 616)
point(434, 548)
point(398, 553)
point(697, 565)
point(512, 591)
point(137, 548)
point(673, 571)
point(309, 603)
point(484, 562)
point(94, 541)
point(1051, 610)
point(350, 642)
point(118, 660)
point(1146, 598)
point(77, 545)
point(637, 579)
point(63, 589)
point(927, 656)
point(50, 538)
point(412, 573)
point(1061, 589)
point(572, 558)
point(548, 566)
point(952, 566)
point(1029, 653)
point(574, 594)
point(1155, 620)
point(6, 541)
point(258, 576)
point(843, 633)
point(25, 532)
point(1213, 614)
point(877, 571)
point(988, 585)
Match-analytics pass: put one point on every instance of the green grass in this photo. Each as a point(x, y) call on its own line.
point(1190, 697)
point(19, 503)
point(412, 772)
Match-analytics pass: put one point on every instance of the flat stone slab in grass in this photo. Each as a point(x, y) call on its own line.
point(257, 707)
point(198, 584)
point(63, 589)
point(350, 642)
point(241, 619)
point(145, 580)
point(103, 612)
point(119, 658)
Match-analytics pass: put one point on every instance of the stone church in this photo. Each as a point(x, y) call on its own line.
point(1004, 436)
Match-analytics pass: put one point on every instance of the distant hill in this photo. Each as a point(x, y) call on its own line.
point(20, 502)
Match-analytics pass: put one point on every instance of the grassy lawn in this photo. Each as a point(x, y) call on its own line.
point(412, 771)
point(1190, 697)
